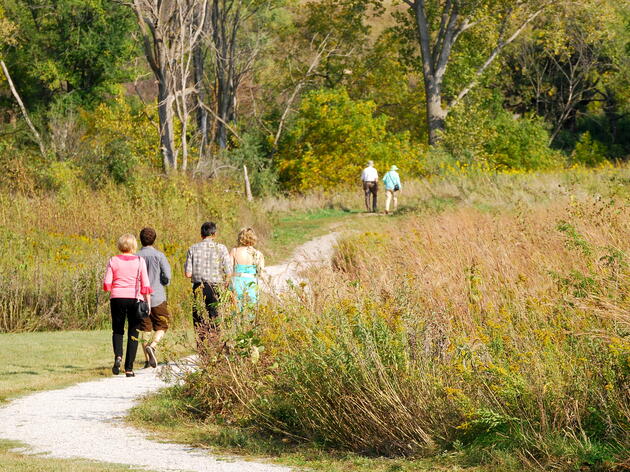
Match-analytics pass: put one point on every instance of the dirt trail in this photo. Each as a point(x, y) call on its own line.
point(87, 420)
point(315, 252)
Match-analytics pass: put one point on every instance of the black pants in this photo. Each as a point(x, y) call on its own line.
point(203, 323)
point(125, 309)
point(370, 188)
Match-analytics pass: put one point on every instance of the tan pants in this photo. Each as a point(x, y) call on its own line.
point(389, 195)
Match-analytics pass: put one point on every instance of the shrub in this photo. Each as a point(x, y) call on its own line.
point(250, 151)
point(332, 139)
point(588, 152)
point(521, 143)
point(119, 138)
point(484, 132)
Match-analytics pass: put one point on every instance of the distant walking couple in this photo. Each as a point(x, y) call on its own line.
point(131, 278)
point(391, 180)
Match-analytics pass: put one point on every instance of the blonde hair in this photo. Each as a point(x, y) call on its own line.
point(247, 237)
point(127, 243)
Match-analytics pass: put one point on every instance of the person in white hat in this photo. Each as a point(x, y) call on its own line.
point(392, 183)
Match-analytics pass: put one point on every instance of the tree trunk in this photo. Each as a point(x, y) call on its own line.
point(436, 114)
point(436, 40)
point(225, 109)
point(165, 114)
point(198, 77)
point(38, 138)
point(201, 113)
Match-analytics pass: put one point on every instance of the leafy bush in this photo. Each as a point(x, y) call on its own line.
point(588, 152)
point(250, 151)
point(332, 139)
point(520, 144)
point(484, 132)
point(119, 138)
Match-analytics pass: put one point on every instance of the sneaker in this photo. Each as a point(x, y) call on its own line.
point(151, 356)
point(116, 367)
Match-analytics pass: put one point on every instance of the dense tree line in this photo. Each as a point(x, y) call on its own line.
point(227, 83)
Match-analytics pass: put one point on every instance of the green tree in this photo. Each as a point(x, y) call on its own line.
point(7, 30)
point(573, 65)
point(333, 137)
point(68, 48)
point(486, 132)
point(440, 24)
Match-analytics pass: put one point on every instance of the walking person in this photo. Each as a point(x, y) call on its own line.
point(248, 266)
point(159, 272)
point(209, 266)
point(126, 280)
point(369, 177)
point(392, 183)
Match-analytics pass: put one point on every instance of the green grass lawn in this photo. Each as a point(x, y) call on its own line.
point(16, 462)
point(296, 228)
point(31, 362)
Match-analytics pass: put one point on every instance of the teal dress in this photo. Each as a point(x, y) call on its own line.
point(245, 284)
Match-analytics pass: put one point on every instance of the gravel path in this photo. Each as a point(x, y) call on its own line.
point(87, 420)
point(315, 252)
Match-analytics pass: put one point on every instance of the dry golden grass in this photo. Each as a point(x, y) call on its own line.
point(496, 328)
point(54, 246)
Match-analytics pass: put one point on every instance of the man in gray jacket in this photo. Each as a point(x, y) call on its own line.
point(159, 276)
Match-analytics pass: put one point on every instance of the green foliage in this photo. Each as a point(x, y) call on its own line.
point(385, 79)
point(69, 50)
point(250, 151)
point(520, 143)
point(588, 152)
point(7, 31)
point(483, 131)
point(573, 71)
point(333, 137)
point(119, 137)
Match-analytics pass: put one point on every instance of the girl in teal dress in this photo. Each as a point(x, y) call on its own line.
point(248, 265)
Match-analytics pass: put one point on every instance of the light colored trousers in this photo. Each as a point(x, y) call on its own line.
point(389, 195)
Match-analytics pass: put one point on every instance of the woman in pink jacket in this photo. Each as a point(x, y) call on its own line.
point(127, 281)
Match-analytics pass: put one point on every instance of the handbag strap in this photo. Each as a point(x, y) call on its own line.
point(138, 283)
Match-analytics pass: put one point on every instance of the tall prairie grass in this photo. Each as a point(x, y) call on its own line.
point(498, 329)
point(54, 245)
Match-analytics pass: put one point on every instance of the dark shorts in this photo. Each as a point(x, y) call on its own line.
point(157, 320)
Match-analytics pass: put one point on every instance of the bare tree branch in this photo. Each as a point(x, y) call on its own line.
point(500, 46)
point(36, 135)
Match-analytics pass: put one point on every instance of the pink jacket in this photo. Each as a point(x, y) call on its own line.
point(121, 277)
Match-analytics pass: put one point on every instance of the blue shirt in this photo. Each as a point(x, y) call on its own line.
point(392, 179)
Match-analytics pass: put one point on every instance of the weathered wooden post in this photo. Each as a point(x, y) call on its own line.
point(248, 188)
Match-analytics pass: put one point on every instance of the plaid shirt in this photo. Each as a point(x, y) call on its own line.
point(208, 261)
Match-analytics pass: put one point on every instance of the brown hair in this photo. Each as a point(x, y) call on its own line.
point(247, 237)
point(147, 236)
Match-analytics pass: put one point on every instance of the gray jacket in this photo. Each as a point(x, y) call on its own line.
point(159, 273)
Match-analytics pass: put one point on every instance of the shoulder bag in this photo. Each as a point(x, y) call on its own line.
point(142, 307)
